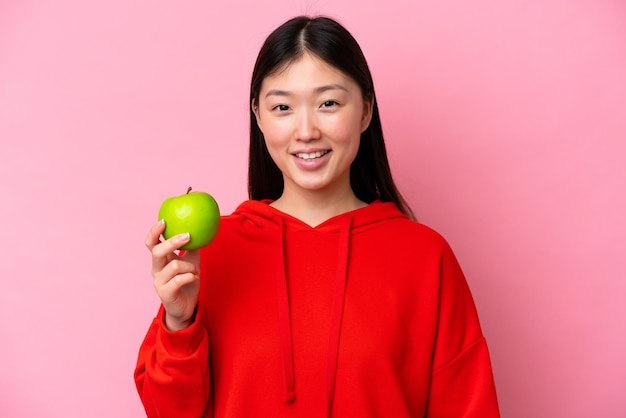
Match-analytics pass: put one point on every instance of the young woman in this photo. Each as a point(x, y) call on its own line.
point(320, 296)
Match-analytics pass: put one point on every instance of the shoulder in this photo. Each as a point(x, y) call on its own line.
point(248, 225)
point(407, 231)
point(384, 223)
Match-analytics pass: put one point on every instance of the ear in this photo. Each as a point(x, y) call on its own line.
point(255, 110)
point(368, 110)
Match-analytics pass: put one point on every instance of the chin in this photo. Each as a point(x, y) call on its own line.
point(313, 187)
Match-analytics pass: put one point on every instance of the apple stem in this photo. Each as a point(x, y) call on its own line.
point(189, 189)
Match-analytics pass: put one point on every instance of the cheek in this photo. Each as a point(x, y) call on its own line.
point(347, 131)
point(273, 131)
point(276, 140)
point(273, 146)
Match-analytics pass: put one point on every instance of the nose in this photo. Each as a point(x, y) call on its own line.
point(306, 126)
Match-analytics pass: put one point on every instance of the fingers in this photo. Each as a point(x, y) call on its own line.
point(172, 289)
point(174, 271)
point(193, 256)
point(162, 251)
point(154, 234)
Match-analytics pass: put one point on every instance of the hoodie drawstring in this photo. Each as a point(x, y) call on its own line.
point(284, 316)
point(284, 319)
point(341, 281)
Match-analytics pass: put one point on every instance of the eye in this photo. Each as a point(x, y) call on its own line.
point(329, 103)
point(281, 108)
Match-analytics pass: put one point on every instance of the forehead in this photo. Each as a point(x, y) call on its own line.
point(308, 71)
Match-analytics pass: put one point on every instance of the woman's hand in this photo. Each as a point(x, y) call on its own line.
point(176, 278)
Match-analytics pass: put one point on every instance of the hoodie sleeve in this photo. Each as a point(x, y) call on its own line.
point(172, 375)
point(462, 382)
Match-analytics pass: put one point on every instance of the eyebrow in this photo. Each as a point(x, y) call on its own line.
point(321, 89)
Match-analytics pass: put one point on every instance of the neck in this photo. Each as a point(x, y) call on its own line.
point(313, 207)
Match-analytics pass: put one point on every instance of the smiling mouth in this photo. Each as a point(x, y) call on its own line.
point(311, 155)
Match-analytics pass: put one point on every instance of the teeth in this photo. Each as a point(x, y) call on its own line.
point(311, 155)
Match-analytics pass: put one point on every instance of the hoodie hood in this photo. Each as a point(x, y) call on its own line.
point(264, 216)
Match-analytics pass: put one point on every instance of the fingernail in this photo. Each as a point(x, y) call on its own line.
point(162, 222)
point(183, 237)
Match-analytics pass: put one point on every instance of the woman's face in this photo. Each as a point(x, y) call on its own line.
point(312, 116)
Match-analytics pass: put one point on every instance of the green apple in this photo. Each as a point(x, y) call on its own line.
point(194, 212)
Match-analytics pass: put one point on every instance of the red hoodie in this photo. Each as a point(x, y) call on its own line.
point(365, 315)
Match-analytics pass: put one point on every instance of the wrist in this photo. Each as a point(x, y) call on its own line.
point(173, 324)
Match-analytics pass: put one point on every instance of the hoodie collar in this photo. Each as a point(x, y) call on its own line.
point(263, 215)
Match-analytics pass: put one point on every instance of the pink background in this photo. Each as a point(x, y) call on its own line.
point(505, 123)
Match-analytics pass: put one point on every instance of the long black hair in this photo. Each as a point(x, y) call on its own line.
point(370, 175)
